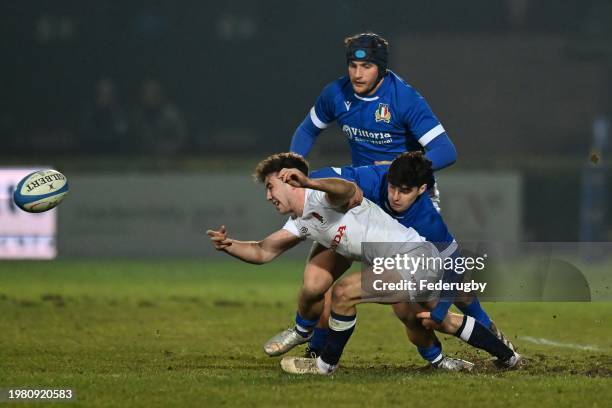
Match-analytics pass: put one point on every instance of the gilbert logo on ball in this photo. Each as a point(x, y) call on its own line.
point(40, 191)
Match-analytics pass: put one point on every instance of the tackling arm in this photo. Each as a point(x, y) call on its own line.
point(339, 192)
point(255, 252)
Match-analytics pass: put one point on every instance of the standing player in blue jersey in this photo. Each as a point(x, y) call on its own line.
point(380, 114)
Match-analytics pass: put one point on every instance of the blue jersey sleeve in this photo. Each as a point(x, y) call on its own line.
point(428, 131)
point(368, 178)
point(441, 151)
point(304, 137)
point(319, 117)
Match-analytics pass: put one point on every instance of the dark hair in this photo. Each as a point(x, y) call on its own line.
point(372, 39)
point(411, 169)
point(277, 162)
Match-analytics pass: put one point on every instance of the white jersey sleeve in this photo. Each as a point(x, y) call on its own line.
point(292, 227)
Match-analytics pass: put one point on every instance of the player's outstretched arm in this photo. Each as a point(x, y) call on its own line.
point(255, 252)
point(339, 192)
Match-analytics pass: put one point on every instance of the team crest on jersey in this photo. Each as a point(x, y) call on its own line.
point(382, 114)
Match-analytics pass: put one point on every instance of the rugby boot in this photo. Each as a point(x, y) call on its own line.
point(284, 341)
point(453, 364)
point(513, 362)
point(301, 365)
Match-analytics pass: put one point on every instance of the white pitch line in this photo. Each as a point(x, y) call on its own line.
point(547, 342)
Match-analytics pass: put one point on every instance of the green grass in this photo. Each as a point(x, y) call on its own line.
point(190, 334)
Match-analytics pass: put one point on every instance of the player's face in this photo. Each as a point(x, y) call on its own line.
point(401, 197)
point(363, 76)
point(278, 193)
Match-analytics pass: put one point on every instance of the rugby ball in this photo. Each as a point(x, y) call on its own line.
point(40, 191)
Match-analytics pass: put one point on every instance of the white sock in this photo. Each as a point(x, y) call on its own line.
point(303, 329)
point(324, 367)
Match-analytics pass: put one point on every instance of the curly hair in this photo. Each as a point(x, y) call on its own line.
point(411, 169)
point(375, 39)
point(277, 162)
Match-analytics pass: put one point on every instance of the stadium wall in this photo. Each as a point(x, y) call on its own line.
point(166, 215)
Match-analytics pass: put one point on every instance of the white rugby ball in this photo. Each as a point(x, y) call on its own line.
point(40, 191)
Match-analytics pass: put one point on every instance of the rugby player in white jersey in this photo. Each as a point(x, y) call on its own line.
point(320, 211)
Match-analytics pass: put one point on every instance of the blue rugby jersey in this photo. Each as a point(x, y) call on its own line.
point(395, 119)
point(421, 215)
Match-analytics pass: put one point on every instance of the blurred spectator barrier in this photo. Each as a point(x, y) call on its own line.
point(166, 215)
point(24, 235)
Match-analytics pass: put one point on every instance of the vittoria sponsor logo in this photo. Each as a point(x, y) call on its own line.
point(318, 217)
point(382, 113)
point(338, 238)
point(361, 135)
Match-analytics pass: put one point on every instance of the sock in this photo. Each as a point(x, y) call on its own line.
point(477, 335)
point(317, 341)
point(340, 330)
point(324, 367)
point(475, 310)
point(432, 354)
point(304, 326)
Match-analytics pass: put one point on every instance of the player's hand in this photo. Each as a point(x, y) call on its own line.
point(427, 322)
point(219, 238)
point(294, 178)
point(356, 199)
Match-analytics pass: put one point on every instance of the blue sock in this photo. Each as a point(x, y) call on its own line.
point(340, 329)
point(432, 354)
point(479, 336)
point(475, 310)
point(304, 326)
point(317, 341)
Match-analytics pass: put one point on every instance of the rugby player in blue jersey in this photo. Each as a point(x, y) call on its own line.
point(399, 191)
point(381, 116)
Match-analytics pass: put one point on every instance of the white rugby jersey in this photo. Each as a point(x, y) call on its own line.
point(344, 232)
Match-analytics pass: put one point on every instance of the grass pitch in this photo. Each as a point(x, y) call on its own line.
point(191, 334)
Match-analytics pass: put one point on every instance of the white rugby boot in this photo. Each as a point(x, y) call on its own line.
point(284, 341)
point(512, 363)
point(453, 364)
point(303, 365)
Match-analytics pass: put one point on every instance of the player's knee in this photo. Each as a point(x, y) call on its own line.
point(341, 295)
